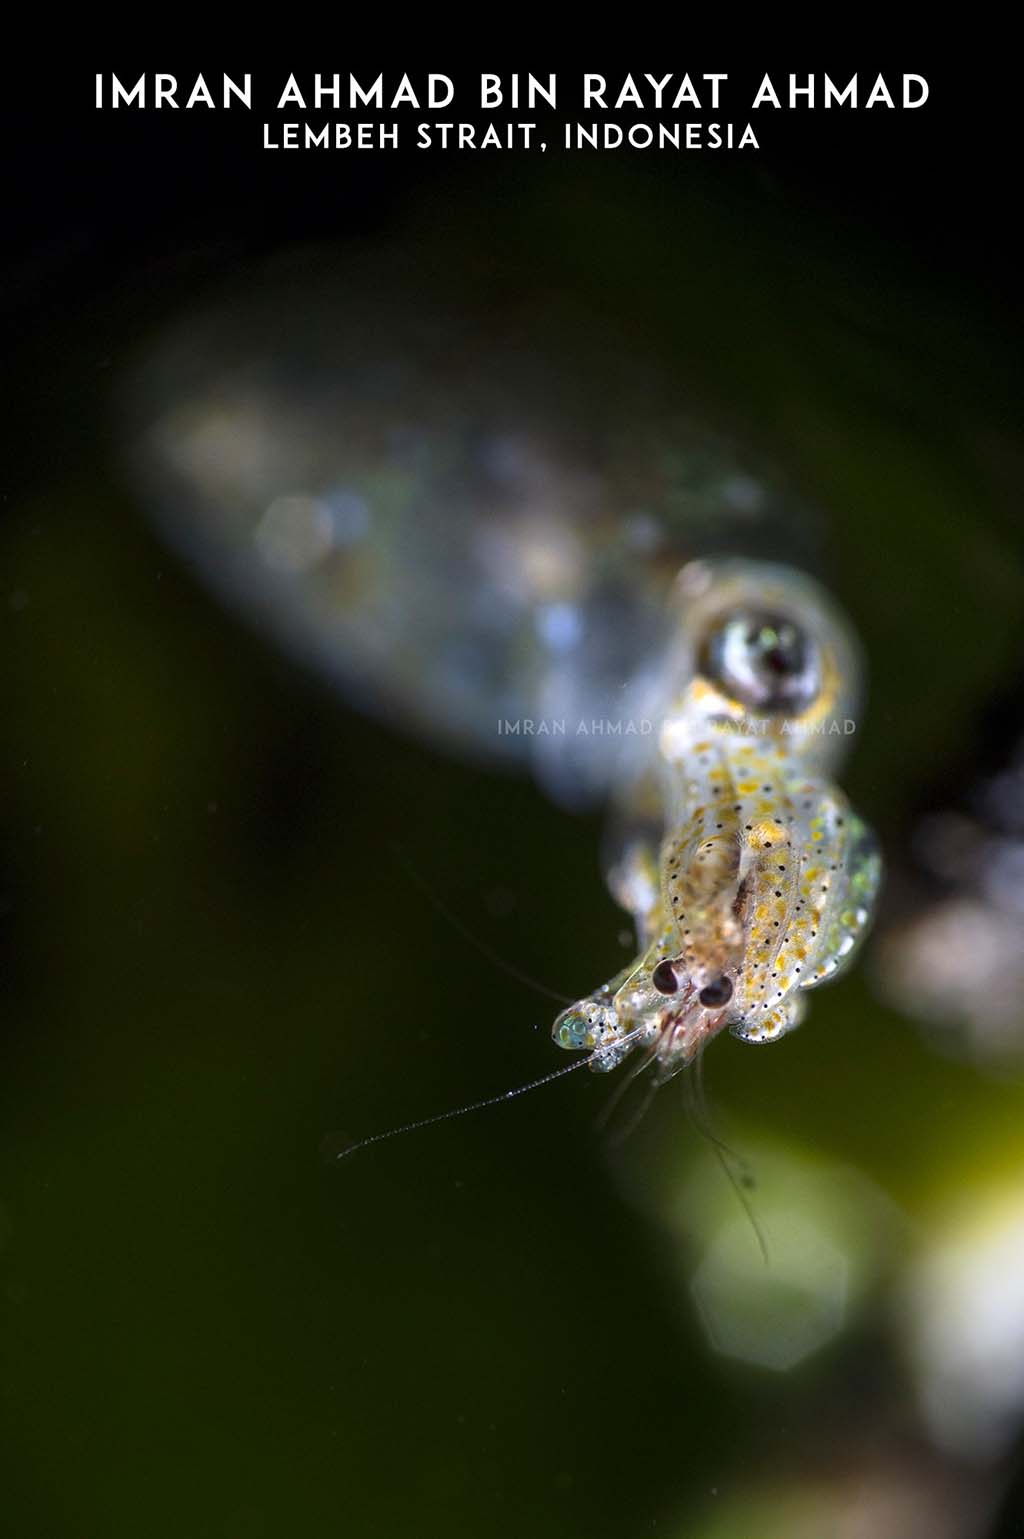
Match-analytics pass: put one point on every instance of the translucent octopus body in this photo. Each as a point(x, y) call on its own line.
point(764, 879)
point(470, 516)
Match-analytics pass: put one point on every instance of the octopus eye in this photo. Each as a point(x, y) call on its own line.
point(766, 661)
point(664, 978)
point(716, 994)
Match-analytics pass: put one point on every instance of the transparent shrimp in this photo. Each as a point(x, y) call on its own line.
point(748, 875)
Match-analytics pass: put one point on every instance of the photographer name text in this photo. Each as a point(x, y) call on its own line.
point(639, 101)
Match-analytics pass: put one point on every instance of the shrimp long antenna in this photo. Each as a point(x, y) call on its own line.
point(726, 1157)
point(491, 1100)
point(453, 919)
point(462, 1111)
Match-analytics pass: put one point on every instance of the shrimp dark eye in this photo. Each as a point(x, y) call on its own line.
point(664, 978)
point(763, 660)
point(714, 995)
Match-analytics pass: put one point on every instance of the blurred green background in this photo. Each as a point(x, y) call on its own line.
point(487, 1327)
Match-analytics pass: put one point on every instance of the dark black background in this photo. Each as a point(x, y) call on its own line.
point(114, 202)
point(89, 192)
